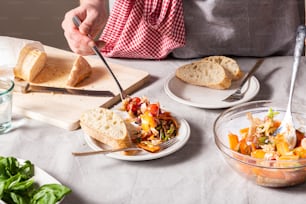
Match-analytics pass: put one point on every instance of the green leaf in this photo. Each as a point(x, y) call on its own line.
point(50, 192)
point(19, 199)
point(27, 170)
point(11, 182)
point(2, 183)
point(17, 184)
point(271, 113)
point(23, 185)
point(8, 167)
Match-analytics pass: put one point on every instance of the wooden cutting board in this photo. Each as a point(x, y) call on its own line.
point(64, 110)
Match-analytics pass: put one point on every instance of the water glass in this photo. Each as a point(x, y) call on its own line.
point(6, 94)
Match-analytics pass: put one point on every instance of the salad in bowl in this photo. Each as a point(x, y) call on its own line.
point(247, 138)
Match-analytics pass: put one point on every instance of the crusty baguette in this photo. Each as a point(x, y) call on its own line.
point(33, 65)
point(81, 69)
point(204, 73)
point(107, 127)
point(32, 59)
point(229, 64)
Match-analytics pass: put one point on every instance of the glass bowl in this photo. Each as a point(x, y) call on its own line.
point(270, 173)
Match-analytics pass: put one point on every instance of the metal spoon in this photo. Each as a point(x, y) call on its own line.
point(287, 127)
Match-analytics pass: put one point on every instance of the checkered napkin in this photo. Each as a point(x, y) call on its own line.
point(148, 29)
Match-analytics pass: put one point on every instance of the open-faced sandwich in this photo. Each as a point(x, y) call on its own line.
point(144, 125)
point(155, 125)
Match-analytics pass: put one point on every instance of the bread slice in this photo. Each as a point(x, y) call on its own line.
point(230, 65)
point(32, 59)
point(107, 127)
point(204, 73)
point(81, 69)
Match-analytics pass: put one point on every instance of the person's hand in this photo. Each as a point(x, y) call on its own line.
point(93, 15)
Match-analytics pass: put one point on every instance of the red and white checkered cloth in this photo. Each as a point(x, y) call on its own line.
point(148, 29)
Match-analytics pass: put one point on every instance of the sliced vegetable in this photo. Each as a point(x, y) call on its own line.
point(258, 154)
point(233, 141)
point(271, 113)
point(154, 109)
point(149, 147)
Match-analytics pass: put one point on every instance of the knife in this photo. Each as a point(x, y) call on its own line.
point(25, 87)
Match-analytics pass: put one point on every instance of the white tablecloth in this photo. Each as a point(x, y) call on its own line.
point(194, 174)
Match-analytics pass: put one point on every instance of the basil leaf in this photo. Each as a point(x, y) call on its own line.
point(49, 192)
point(18, 199)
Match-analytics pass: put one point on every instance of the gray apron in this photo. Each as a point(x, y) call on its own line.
point(252, 28)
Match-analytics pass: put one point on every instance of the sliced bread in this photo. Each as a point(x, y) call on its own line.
point(230, 65)
point(32, 59)
point(81, 69)
point(107, 127)
point(204, 73)
point(33, 65)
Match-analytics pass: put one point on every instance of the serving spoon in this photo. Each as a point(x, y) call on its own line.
point(286, 127)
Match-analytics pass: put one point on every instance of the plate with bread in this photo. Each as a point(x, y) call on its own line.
point(138, 123)
point(206, 82)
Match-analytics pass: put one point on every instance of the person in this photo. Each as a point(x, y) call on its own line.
point(185, 28)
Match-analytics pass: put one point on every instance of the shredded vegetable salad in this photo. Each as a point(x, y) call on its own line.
point(259, 140)
point(155, 125)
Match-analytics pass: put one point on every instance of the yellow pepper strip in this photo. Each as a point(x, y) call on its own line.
point(149, 147)
point(282, 148)
point(147, 121)
point(233, 141)
point(244, 148)
point(289, 157)
point(300, 151)
point(244, 132)
point(258, 154)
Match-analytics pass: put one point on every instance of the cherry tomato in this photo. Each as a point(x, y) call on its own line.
point(133, 104)
point(154, 109)
point(136, 100)
point(131, 107)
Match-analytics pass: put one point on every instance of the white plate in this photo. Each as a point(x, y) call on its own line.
point(203, 97)
point(183, 136)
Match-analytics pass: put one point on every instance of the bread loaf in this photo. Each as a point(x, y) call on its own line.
point(204, 73)
point(107, 127)
point(81, 69)
point(31, 61)
point(230, 65)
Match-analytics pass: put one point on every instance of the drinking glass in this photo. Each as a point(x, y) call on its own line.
point(6, 94)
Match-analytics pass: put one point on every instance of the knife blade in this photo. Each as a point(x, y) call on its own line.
point(25, 87)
